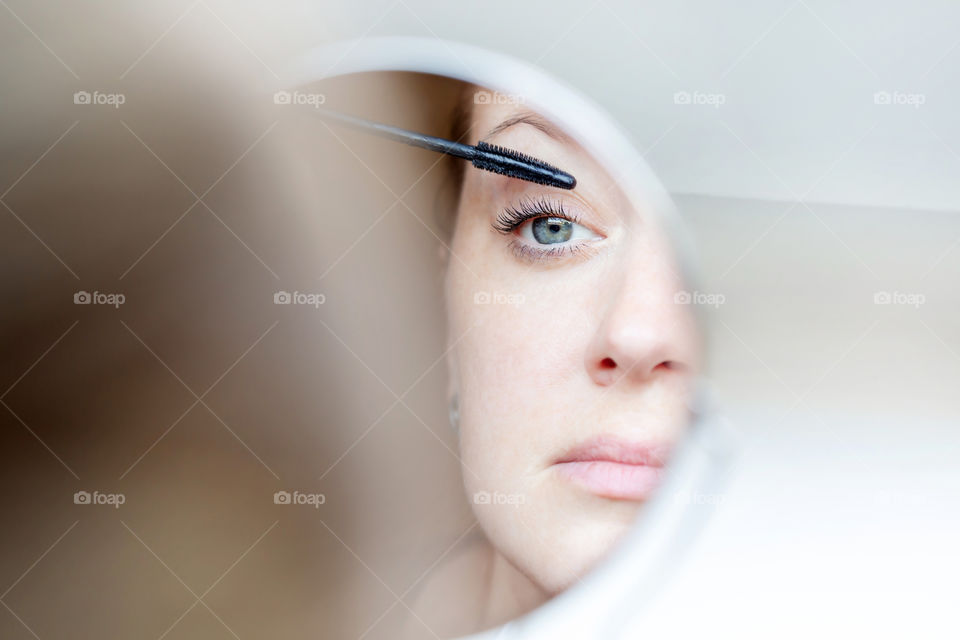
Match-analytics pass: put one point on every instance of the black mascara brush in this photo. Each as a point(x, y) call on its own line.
point(483, 156)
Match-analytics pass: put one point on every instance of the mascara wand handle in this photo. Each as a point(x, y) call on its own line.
point(397, 134)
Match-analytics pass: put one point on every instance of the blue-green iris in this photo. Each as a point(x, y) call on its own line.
point(552, 230)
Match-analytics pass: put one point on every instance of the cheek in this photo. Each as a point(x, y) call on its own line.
point(520, 368)
point(520, 334)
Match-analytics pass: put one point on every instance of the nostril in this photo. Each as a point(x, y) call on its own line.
point(608, 363)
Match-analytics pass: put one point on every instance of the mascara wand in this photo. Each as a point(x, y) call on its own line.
point(483, 156)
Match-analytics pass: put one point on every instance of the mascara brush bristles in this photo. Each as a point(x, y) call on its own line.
point(519, 165)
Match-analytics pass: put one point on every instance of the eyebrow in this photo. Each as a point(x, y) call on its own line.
point(533, 120)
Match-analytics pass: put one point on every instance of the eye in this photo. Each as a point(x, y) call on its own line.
point(553, 230)
point(542, 229)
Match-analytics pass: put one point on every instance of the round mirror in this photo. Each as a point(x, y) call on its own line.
point(552, 323)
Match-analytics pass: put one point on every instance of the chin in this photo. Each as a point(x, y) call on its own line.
point(573, 551)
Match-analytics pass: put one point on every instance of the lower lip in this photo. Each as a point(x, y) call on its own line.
point(609, 479)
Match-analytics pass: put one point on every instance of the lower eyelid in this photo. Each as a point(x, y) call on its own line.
point(526, 251)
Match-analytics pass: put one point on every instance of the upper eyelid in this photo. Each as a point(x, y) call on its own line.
point(530, 208)
point(541, 206)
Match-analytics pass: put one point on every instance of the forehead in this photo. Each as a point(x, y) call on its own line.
point(491, 119)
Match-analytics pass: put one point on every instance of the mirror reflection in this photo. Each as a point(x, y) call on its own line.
point(570, 352)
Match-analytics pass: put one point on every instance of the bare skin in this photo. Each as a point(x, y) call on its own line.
point(554, 344)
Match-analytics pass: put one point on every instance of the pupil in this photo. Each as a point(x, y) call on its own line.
point(552, 230)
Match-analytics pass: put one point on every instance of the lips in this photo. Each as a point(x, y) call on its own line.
point(610, 467)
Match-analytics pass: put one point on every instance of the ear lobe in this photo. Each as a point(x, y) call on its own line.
point(455, 413)
point(453, 392)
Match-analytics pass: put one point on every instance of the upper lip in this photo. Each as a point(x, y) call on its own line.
point(609, 448)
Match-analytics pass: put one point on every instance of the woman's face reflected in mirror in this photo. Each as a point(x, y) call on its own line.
point(570, 360)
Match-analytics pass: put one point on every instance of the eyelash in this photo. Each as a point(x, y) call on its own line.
point(513, 217)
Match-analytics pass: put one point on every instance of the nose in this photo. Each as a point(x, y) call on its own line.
point(643, 332)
